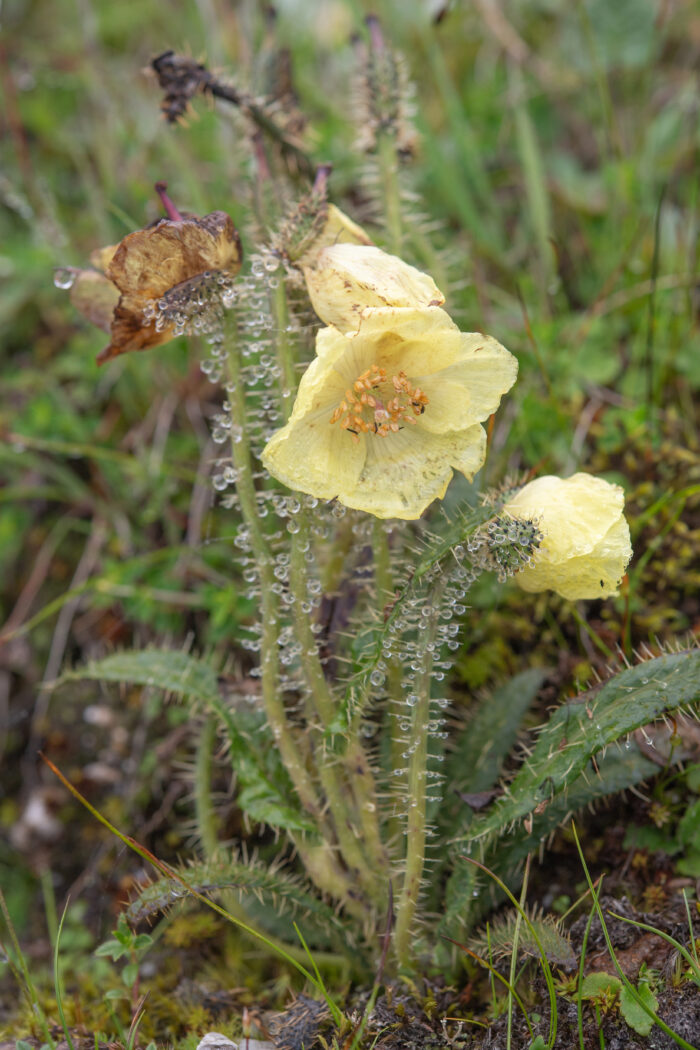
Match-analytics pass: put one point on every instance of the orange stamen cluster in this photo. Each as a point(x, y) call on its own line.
point(377, 405)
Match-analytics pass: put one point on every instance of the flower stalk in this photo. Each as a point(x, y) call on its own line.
point(416, 794)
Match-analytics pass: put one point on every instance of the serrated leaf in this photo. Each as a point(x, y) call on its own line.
point(255, 882)
point(578, 731)
point(555, 776)
point(634, 1014)
point(266, 794)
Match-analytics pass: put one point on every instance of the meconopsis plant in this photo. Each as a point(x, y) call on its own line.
point(351, 398)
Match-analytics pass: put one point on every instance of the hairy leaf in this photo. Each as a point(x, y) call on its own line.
point(255, 883)
point(560, 774)
point(265, 791)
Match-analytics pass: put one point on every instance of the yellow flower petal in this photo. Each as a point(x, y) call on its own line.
point(348, 279)
point(337, 229)
point(311, 456)
point(403, 473)
point(586, 545)
point(365, 430)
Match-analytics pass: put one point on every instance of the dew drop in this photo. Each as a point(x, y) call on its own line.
point(64, 277)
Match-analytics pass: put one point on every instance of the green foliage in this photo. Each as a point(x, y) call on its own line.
point(633, 1011)
point(539, 933)
point(264, 788)
point(265, 890)
point(677, 830)
point(543, 160)
point(574, 735)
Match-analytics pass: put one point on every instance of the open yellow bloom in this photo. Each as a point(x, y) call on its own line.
point(586, 545)
point(384, 414)
point(347, 280)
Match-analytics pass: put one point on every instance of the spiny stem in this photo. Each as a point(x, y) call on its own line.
point(416, 795)
point(269, 653)
point(206, 816)
point(348, 812)
point(391, 198)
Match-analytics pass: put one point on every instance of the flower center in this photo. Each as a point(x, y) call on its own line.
point(379, 404)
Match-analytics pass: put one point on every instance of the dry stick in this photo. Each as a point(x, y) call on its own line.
point(182, 78)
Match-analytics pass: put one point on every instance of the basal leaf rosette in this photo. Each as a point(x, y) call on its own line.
point(385, 414)
point(585, 547)
point(348, 280)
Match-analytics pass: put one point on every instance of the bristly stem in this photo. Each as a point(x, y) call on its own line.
point(391, 196)
point(269, 652)
point(354, 815)
point(416, 796)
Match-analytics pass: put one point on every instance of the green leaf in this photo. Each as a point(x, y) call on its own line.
point(112, 949)
point(635, 1016)
point(559, 775)
point(689, 827)
point(265, 790)
point(142, 942)
point(263, 887)
point(599, 983)
point(475, 764)
point(580, 730)
point(116, 993)
point(690, 864)
point(130, 973)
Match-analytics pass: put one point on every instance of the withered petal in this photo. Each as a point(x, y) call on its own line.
point(149, 262)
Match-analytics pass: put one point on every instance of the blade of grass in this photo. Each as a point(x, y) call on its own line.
point(584, 946)
point(20, 971)
point(332, 1006)
point(170, 873)
point(620, 972)
point(547, 970)
point(514, 952)
point(666, 937)
point(57, 979)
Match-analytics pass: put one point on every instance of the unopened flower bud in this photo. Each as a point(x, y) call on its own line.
point(585, 547)
point(346, 280)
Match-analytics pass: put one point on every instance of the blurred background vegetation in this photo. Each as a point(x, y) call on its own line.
point(555, 170)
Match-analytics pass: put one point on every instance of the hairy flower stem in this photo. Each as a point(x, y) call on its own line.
point(391, 197)
point(269, 652)
point(391, 206)
point(346, 810)
point(285, 357)
point(352, 808)
point(417, 794)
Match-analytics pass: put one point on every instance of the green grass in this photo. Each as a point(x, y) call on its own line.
point(558, 157)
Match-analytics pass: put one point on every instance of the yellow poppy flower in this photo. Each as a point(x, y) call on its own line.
point(347, 280)
point(384, 414)
point(585, 547)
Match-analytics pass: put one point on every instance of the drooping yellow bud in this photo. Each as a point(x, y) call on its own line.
point(346, 280)
point(585, 546)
